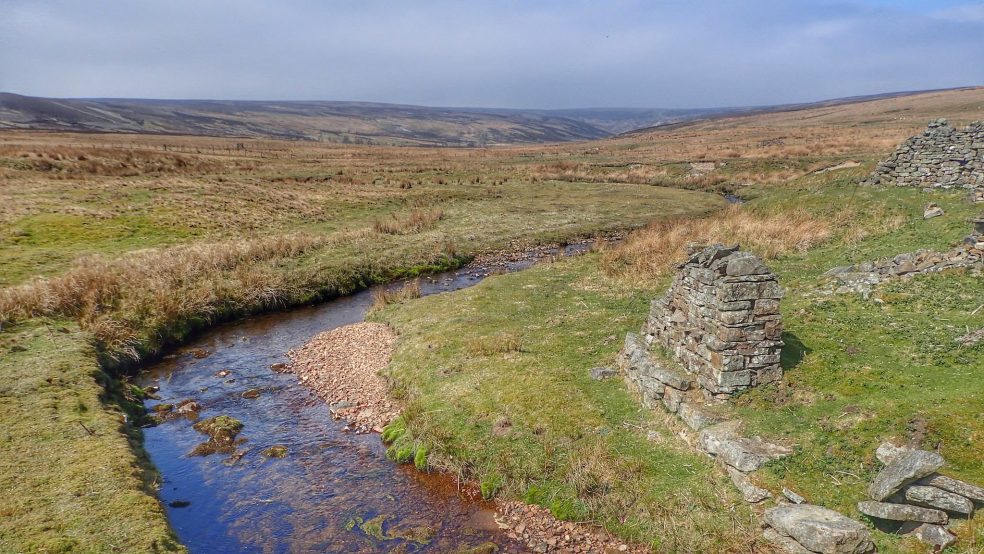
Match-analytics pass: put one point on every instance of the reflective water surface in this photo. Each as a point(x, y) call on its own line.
point(334, 491)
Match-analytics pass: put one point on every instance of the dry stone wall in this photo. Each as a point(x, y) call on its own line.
point(941, 157)
point(720, 320)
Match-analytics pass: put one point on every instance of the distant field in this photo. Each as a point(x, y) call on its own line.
point(113, 247)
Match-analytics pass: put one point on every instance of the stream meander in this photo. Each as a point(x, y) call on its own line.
point(334, 491)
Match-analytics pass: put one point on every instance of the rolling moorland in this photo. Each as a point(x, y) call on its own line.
point(348, 122)
point(112, 255)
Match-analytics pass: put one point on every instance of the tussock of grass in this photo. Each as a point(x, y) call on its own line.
point(383, 296)
point(499, 343)
point(413, 222)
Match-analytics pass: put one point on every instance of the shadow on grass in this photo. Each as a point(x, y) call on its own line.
point(793, 351)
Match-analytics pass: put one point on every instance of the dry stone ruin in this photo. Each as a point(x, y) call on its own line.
point(720, 320)
point(941, 157)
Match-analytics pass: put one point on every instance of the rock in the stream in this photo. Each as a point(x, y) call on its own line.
point(940, 499)
point(602, 373)
point(973, 492)
point(749, 491)
point(934, 535)
point(744, 454)
point(901, 512)
point(818, 529)
point(905, 468)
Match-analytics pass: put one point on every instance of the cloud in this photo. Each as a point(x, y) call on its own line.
point(509, 53)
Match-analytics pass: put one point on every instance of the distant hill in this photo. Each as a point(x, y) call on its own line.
point(350, 122)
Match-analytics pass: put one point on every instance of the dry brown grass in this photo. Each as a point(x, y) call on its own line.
point(413, 222)
point(500, 343)
point(154, 289)
point(384, 296)
point(652, 251)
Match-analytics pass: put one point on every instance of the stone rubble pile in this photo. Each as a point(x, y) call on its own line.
point(861, 278)
point(941, 157)
point(909, 492)
point(720, 320)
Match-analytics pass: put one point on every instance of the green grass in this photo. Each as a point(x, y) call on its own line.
point(531, 425)
point(67, 490)
point(64, 489)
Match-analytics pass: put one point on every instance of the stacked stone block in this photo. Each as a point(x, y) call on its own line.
point(941, 157)
point(720, 320)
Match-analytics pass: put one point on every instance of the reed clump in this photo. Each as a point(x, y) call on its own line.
point(406, 224)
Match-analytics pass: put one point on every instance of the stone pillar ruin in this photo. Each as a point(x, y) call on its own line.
point(720, 320)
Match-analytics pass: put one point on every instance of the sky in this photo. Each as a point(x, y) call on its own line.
point(479, 53)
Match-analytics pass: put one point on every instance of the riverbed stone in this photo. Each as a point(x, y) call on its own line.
point(904, 469)
point(902, 512)
point(932, 497)
point(819, 529)
point(967, 490)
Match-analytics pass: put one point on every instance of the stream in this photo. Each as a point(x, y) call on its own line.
point(335, 491)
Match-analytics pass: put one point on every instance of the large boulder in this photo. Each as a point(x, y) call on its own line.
point(907, 467)
point(820, 530)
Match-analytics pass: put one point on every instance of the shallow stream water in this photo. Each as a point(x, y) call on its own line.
point(334, 491)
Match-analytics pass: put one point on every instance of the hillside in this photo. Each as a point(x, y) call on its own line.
point(361, 122)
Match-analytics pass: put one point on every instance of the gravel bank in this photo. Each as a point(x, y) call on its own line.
point(342, 366)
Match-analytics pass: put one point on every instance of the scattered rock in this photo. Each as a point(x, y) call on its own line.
point(820, 530)
point(251, 394)
point(749, 491)
point(279, 367)
point(222, 373)
point(200, 353)
point(886, 452)
point(973, 492)
point(792, 496)
point(905, 468)
point(188, 407)
point(932, 497)
point(695, 416)
point(934, 535)
point(602, 373)
point(932, 210)
point(222, 428)
point(901, 512)
point(744, 454)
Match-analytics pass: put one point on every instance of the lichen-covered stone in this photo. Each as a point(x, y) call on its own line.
point(902, 512)
point(972, 492)
point(932, 497)
point(750, 492)
point(905, 468)
point(934, 535)
point(742, 453)
point(819, 529)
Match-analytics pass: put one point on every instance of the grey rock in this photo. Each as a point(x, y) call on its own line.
point(904, 469)
point(819, 529)
point(786, 544)
point(667, 376)
point(744, 454)
point(932, 497)
point(602, 373)
point(934, 535)
point(695, 416)
point(744, 263)
point(792, 496)
point(901, 512)
point(932, 211)
point(672, 398)
point(749, 491)
point(886, 452)
point(973, 492)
